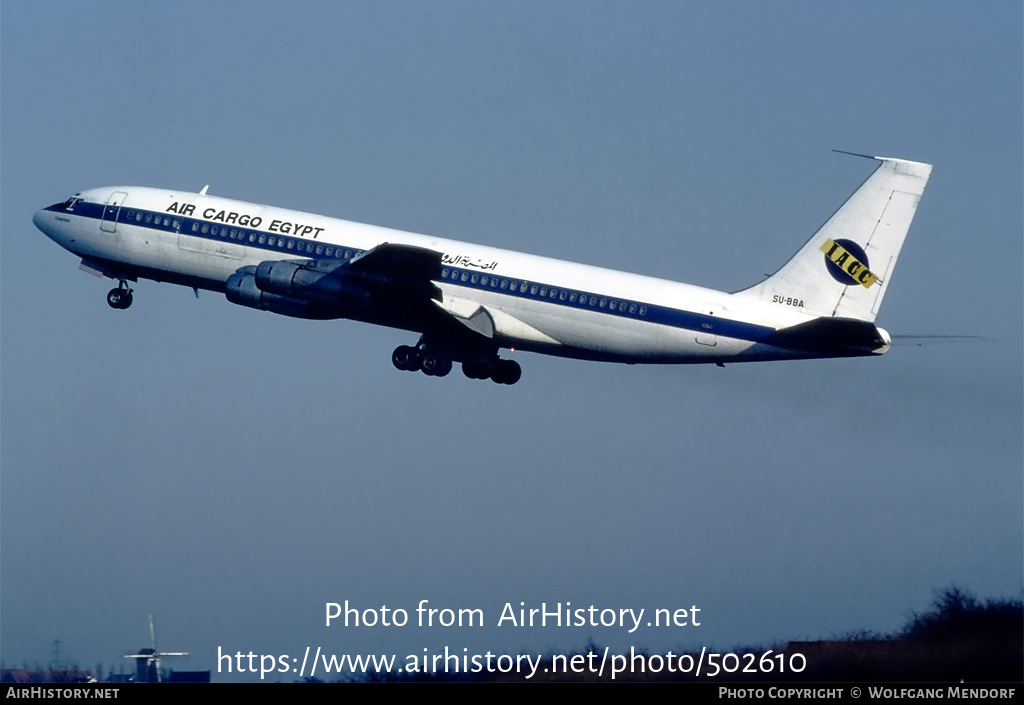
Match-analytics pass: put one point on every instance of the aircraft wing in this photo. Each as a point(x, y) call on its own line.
point(390, 282)
point(393, 284)
point(389, 261)
point(387, 272)
point(408, 270)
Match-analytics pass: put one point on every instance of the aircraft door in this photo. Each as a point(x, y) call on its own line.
point(706, 335)
point(109, 220)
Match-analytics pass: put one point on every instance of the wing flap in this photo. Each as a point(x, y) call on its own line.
point(490, 322)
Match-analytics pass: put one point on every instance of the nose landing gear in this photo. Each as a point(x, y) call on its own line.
point(120, 297)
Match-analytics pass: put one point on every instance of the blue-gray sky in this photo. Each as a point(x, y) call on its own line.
point(232, 471)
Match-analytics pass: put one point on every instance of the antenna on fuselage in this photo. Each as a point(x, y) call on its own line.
point(838, 151)
point(203, 192)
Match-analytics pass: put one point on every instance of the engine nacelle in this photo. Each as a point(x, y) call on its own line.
point(300, 281)
point(242, 290)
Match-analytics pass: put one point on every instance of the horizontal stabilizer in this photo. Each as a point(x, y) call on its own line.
point(832, 337)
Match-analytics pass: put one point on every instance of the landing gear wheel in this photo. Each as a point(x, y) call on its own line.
point(507, 372)
point(435, 365)
point(476, 370)
point(406, 358)
point(119, 298)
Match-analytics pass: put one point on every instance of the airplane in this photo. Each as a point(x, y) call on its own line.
point(468, 302)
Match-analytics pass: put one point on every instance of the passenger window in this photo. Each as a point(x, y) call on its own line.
point(149, 217)
point(291, 244)
point(195, 227)
point(319, 249)
point(475, 278)
point(643, 310)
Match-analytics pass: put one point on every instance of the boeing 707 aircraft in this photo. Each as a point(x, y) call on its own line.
point(467, 302)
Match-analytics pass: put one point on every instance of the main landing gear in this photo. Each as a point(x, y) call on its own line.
point(120, 297)
point(430, 363)
point(501, 371)
point(435, 363)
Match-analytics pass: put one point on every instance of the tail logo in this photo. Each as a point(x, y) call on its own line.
point(848, 263)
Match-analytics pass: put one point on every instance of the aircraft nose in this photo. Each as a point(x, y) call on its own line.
point(44, 220)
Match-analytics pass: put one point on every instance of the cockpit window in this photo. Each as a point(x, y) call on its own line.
point(69, 205)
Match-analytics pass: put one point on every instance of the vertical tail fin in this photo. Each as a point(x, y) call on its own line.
point(845, 268)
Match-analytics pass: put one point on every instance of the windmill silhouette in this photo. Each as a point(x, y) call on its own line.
point(147, 661)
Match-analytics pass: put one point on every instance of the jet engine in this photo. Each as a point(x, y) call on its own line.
point(243, 290)
point(306, 281)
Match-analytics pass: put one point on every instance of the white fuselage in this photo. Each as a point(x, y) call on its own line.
point(533, 303)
